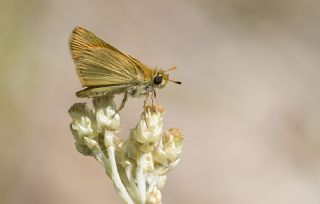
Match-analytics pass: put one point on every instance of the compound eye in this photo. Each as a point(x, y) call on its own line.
point(157, 80)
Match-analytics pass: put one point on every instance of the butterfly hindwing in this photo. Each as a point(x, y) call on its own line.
point(100, 91)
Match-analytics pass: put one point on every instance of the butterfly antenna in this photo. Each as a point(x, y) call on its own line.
point(177, 82)
point(170, 69)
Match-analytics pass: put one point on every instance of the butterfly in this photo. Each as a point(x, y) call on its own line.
point(105, 70)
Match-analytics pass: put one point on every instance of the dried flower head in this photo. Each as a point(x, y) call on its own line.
point(138, 166)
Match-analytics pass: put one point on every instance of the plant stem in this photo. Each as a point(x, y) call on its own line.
point(116, 178)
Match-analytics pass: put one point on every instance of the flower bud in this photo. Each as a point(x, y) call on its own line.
point(149, 129)
point(154, 197)
point(171, 147)
point(106, 116)
point(148, 163)
point(82, 125)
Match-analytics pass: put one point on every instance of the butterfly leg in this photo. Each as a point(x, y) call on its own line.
point(155, 96)
point(122, 103)
point(152, 96)
point(146, 100)
point(145, 106)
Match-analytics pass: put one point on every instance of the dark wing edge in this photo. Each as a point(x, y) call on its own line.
point(92, 92)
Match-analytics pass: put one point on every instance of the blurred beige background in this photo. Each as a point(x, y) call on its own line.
point(249, 104)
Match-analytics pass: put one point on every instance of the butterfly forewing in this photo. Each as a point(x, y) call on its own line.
point(100, 64)
point(81, 39)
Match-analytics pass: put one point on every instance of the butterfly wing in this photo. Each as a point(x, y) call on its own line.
point(100, 64)
point(103, 67)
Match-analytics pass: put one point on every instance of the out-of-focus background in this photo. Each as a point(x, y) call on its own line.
point(249, 104)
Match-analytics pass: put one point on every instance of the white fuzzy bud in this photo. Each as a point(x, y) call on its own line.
point(154, 197)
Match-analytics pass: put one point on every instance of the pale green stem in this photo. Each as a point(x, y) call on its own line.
point(132, 185)
point(153, 183)
point(116, 178)
point(141, 179)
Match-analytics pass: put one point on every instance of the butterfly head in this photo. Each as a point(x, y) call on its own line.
point(161, 78)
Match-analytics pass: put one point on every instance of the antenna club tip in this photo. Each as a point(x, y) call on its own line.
point(176, 82)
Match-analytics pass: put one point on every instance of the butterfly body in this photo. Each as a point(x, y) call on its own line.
point(138, 91)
